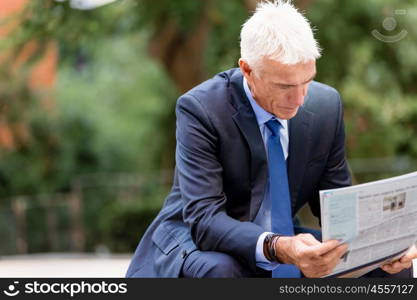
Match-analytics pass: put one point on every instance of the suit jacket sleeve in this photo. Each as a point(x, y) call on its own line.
point(201, 184)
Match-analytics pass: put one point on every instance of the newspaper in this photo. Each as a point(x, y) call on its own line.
point(378, 220)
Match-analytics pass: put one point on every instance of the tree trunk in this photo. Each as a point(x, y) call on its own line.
point(182, 54)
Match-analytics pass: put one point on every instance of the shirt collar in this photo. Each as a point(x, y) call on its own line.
point(262, 115)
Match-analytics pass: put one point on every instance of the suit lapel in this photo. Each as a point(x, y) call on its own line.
point(299, 146)
point(246, 121)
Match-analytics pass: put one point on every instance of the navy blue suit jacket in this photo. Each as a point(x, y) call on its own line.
point(221, 173)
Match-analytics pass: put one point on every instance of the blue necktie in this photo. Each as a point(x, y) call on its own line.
point(279, 195)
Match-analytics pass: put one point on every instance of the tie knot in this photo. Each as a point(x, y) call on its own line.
point(273, 126)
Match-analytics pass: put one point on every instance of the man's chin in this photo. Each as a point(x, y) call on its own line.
point(286, 115)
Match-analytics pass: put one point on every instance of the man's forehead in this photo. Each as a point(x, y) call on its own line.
point(290, 74)
point(295, 79)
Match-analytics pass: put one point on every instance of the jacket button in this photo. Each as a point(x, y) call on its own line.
point(184, 253)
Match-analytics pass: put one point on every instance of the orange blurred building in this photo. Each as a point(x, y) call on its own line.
point(41, 78)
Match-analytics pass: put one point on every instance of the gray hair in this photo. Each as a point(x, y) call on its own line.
point(277, 30)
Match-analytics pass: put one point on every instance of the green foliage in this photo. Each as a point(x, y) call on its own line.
point(376, 79)
point(123, 223)
point(181, 12)
point(223, 49)
point(48, 161)
point(106, 120)
point(125, 95)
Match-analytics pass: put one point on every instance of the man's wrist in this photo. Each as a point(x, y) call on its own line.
point(283, 250)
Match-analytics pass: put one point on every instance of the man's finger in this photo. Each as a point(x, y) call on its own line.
point(406, 258)
point(395, 267)
point(336, 254)
point(325, 247)
point(409, 255)
point(309, 239)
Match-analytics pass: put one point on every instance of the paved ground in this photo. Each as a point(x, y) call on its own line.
point(70, 265)
point(64, 265)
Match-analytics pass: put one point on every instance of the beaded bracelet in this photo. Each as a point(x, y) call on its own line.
point(269, 246)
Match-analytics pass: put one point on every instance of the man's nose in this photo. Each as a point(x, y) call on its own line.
point(297, 97)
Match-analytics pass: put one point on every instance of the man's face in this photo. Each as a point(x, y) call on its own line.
point(279, 89)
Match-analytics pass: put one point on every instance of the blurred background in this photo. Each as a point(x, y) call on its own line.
point(87, 124)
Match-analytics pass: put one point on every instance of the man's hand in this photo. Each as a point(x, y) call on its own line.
point(402, 263)
point(313, 258)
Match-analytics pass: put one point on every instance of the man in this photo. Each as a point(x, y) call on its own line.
point(254, 145)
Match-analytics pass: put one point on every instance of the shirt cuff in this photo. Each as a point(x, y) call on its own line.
point(261, 261)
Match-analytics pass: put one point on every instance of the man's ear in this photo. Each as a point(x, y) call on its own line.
point(245, 69)
point(249, 75)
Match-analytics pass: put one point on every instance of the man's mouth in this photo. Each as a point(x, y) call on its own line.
point(291, 108)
